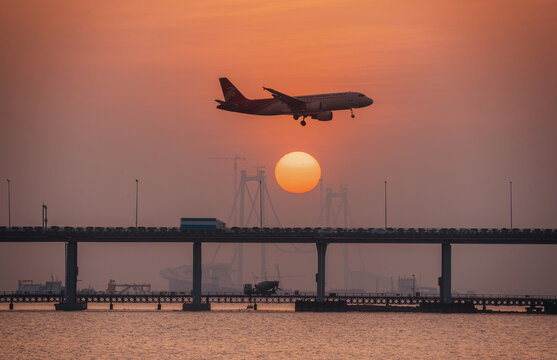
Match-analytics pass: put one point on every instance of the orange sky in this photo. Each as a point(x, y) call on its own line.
point(95, 94)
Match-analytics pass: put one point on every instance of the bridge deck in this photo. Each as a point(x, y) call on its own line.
point(281, 235)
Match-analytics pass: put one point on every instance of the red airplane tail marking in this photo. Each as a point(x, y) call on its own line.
point(231, 94)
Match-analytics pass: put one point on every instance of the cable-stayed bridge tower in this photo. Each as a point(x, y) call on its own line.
point(249, 208)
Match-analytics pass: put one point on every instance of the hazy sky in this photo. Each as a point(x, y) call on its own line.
point(96, 94)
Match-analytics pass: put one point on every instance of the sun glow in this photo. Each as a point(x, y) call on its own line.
point(297, 172)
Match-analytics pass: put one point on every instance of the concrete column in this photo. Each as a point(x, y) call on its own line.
point(71, 272)
point(320, 276)
point(196, 273)
point(196, 304)
point(71, 280)
point(445, 283)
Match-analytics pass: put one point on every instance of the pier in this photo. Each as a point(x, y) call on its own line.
point(321, 237)
point(305, 301)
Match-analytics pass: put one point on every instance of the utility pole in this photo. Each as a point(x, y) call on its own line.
point(45, 217)
point(385, 204)
point(511, 201)
point(136, 199)
point(9, 206)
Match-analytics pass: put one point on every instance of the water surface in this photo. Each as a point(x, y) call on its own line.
point(274, 335)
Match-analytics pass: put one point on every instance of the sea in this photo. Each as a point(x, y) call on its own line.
point(271, 332)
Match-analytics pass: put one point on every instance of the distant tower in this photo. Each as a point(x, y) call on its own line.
point(235, 159)
point(257, 203)
point(332, 212)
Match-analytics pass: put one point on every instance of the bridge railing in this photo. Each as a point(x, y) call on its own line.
point(407, 232)
point(502, 296)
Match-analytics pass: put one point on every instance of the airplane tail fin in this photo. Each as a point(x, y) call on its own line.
point(231, 94)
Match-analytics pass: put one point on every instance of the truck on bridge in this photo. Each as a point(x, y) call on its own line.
point(201, 223)
point(266, 288)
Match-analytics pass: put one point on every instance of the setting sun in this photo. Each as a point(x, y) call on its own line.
point(297, 172)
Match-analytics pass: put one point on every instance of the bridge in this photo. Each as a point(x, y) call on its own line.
point(321, 237)
point(347, 302)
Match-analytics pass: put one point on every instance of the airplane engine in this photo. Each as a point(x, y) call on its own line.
point(323, 116)
point(314, 106)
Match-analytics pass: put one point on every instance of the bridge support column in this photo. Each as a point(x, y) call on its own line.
point(445, 280)
point(71, 280)
point(196, 291)
point(196, 304)
point(320, 276)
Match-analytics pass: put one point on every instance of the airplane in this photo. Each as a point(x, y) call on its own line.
point(319, 107)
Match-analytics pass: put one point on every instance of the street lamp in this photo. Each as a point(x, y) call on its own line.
point(385, 204)
point(9, 206)
point(511, 201)
point(136, 199)
point(45, 217)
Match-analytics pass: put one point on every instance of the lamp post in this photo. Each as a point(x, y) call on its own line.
point(385, 204)
point(136, 199)
point(9, 206)
point(511, 201)
point(45, 217)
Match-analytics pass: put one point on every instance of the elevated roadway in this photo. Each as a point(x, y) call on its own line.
point(281, 235)
point(321, 237)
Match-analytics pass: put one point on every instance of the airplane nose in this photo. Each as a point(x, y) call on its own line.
point(370, 101)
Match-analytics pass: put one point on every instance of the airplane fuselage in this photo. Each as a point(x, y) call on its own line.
point(322, 102)
point(319, 106)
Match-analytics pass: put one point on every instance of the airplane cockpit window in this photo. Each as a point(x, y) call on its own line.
point(360, 95)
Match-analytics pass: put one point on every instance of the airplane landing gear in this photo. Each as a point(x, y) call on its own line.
point(303, 123)
point(296, 117)
point(352, 114)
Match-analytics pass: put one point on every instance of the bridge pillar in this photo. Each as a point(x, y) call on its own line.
point(71, 280)
point(196, 282)
point(320, 276)
point(196, 291)
point(445, 280)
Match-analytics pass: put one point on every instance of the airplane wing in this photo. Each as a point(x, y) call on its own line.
point(292, 102)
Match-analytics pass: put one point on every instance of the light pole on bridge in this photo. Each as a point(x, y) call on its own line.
point(9, 206)
point(385, 204)
point(136, 199)
point(511, 201)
